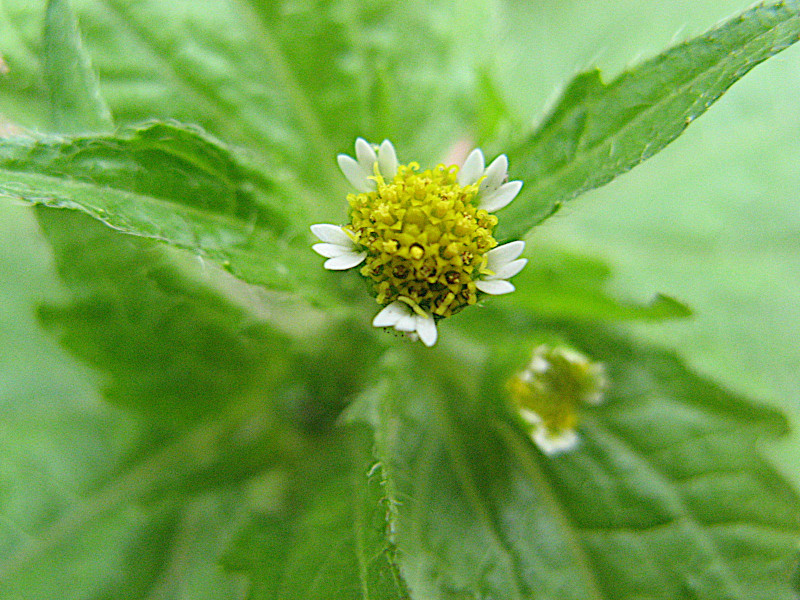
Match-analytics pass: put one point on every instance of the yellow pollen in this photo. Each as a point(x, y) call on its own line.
point(425, 239)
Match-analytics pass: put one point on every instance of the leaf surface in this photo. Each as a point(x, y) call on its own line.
point(666, 497)
point(329, 541)
point(559, 284)
point(168, 182)
point(92, 492)
point(294, 82)
point(598, 131)
point(75, 92)
point(98, 503)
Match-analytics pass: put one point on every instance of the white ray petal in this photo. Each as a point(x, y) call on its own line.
point(345, 261)
point(495, 174)
point(366, 156)
point(508, 270)
point(331, 250)
point(332, 234)
point(387, 160)
point(501, 197)
point(426, 328)
point(355, 174)
point(407, 323)
point(472, 169)
point(391, 314)
point(496, 258)
point(552, 444)
point(495, 287)
point(530, 416)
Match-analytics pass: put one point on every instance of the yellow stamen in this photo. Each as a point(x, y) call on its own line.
point(425, 239)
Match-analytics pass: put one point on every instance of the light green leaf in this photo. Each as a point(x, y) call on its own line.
point(168, 182)
point(76, 475)
point(97, 504)
point(598, 131)
point(329, 541)
point(74, 90)
point(666, 497)
point(558, 284)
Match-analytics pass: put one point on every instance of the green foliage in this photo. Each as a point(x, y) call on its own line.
point(328, 540)
point(164, 181)
point(186, 350)
point(75, 94)
point(561, 284)
point(665, 497)
point(598, 131)
point(254, 445)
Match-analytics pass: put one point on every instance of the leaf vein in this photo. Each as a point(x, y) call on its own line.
point(684, 514)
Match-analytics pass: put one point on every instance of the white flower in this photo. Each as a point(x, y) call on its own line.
point(502, 263)
point(550, 392)
point(494, 192)
point(338, 247)
point(361, 173)
point(403, 318)
point(423, 236)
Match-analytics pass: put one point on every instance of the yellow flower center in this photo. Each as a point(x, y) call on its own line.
point(556, 389)
point(557, 407)
point(425, 239)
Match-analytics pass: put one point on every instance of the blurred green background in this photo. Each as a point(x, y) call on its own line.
point(713, 220)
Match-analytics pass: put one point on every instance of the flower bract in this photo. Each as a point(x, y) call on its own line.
point(423, 237)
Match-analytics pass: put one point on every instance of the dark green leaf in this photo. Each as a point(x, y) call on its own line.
point(598, 131)
point(666, 497)
point(330, 539)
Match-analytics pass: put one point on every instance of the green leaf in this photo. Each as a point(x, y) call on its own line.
point(295, 82)
point(98, 504)
point(329, 540)
point(169, 182)
point(598, 131)
point(558, 284)
point(74, 90)
point(170, 346)
point(666, 496)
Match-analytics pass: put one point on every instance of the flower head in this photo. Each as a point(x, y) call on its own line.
point(424, 236)
point(548, 394)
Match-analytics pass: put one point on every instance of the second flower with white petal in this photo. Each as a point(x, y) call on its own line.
point(424, 237)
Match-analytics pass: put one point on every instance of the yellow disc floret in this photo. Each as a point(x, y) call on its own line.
point(426, 240)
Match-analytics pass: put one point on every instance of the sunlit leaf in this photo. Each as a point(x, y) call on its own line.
point(168, 182)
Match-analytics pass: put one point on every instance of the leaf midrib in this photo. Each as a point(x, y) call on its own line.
point(305, 111)
point(479, 506)
point(548, 495)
